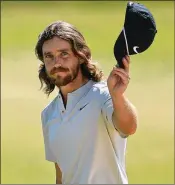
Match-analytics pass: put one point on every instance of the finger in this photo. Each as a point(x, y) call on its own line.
point(126, 64)
point(122, 71)
point(119, 69)
point(114, 68)
point(128, 58)
point(124, 78)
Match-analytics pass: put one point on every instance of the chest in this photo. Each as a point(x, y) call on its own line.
point(69, 131)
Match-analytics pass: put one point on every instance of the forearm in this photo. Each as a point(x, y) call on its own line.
point(58, 174)
point(58, 181)
point(124, 116)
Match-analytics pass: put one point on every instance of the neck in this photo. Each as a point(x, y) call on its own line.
point(79, 81)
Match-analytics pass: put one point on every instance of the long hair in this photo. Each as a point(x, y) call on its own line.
point(69, 33)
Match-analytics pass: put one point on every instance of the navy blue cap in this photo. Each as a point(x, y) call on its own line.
point(137, 34)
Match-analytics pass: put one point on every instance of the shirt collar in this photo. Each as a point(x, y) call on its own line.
point(80, 91)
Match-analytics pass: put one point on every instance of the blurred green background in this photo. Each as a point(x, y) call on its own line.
point(150, 152)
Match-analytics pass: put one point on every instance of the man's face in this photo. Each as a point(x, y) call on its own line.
point(62, 66)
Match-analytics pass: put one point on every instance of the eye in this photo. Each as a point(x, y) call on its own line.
point(49, 56)
point(64, 54)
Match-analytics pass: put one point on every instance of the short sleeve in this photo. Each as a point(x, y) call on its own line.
point(48, 153)
point(107, 112)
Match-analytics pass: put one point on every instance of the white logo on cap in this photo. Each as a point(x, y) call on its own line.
point(134, 48)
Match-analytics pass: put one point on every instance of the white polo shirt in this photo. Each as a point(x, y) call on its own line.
point(82, 139)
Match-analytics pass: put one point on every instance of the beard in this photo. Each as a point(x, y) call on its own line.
point(59, 80)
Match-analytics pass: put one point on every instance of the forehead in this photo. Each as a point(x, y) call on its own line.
point(56, 44)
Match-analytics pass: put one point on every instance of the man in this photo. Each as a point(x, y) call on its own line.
point(86, 126)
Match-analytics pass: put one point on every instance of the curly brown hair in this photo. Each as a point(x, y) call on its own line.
point(69, 33)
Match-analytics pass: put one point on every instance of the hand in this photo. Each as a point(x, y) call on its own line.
point(118, 79)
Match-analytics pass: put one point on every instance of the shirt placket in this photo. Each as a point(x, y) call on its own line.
point(62, 109)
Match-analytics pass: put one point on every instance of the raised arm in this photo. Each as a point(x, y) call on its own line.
point(124, 114)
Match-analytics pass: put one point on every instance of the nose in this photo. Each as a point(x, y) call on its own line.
point(57, 61)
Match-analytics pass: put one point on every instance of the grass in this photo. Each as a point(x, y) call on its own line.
point(150, 152)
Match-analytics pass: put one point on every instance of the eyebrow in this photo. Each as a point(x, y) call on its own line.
point(59, 50)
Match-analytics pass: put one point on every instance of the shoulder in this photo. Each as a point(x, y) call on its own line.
point(48, 109)
point(101, 90)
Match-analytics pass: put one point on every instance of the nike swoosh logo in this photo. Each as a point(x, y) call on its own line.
point(83, 106)
point(134, 48)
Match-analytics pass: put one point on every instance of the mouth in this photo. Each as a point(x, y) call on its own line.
point(58, 72)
